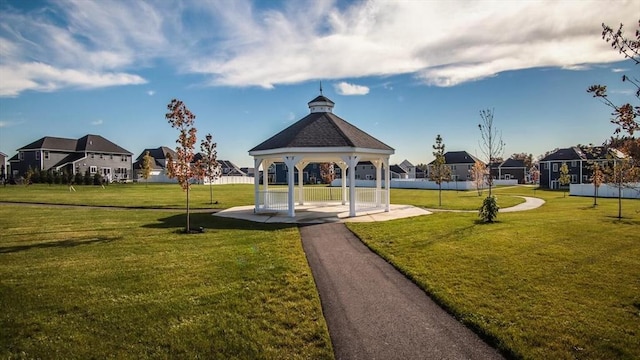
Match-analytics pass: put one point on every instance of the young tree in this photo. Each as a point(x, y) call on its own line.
point(478, 174)
point(564, 178)
point(624, 116)
point(621, 175)
point(491, 145)
point(327, 172)
point(210, 166)
point(147, 163)
point(439, 171)
point(597, 178)
point(181, 118)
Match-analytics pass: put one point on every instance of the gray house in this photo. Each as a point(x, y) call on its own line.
point(91, 153)
point(3, 164)
point(460, 163)
point(158, 165)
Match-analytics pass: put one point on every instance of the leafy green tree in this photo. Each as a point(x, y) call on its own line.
point(210, 167)
point(181, 118)
point(564, 179)
point(97, 179)
point(37, 177)
point(439, 171)
point(147, 161)
point(489, 209)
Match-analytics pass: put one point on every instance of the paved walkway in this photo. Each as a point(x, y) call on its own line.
point(373, 311)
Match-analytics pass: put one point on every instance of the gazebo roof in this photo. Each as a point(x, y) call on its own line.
point(322, 130)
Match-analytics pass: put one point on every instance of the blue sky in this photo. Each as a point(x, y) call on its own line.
point(403, 71)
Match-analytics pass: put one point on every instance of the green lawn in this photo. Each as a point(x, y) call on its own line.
point(132, 195)
point(559, 282)
point(98, 283)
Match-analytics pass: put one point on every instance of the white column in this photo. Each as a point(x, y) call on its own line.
point(256, 183)
point(352, 161)
point(300, 166)
point(291, 162)
point(378, 165)
point(265, 168)
point(387, 185)
point(343, 180)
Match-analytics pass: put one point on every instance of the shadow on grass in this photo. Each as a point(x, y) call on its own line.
point(210, 223)
point(624, 220)
point(67, 243)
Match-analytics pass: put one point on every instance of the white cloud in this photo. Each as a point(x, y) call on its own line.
point(345, 88)
point(244, 43)
point(97, 122)
point(617, 70)
point(151, 92)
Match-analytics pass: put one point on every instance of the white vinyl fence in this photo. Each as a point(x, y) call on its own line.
point(606, 191)
point(423, 184)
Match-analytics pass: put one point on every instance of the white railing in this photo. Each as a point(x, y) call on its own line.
point(369, 198)
point(273, 200)
point(320, 195)
point(276, 199)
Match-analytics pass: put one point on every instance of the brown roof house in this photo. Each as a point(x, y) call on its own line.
point(91, 153)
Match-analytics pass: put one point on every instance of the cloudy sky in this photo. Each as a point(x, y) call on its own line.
point(404, 71)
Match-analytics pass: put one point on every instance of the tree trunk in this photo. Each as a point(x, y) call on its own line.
point(619, 201)
point(210, 191)
point(440, 195)
point(188, 227)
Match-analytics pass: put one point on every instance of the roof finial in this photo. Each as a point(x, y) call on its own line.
point(320, 87)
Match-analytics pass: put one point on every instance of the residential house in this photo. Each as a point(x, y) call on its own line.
point(159, 172)
point(513, 169)
point(460, 163)
point(277, 173)
point(3, 166)
point(249, 171)
point(408, 168)
point(578, 160)
point(230, 169)
point(91, 153)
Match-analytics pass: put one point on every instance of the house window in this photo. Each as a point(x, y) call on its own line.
point(93, 169)
point(93, 155)
point(574, 163)
point(123, 158)
point(101, 156)
point(546, 166)
point(574, 178)
point(37, 155)
point(555, 167)
point(46, 155)
point(453, 167)
point(20, 156)
point(110, 156)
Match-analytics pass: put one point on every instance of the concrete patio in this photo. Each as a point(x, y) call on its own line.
point(323, 213)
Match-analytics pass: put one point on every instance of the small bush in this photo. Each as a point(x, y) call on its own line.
point(489, 209)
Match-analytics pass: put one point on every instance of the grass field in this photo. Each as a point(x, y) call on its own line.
point(78, 283)
point(558, 282)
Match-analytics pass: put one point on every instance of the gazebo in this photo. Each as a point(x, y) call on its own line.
point(321, 137)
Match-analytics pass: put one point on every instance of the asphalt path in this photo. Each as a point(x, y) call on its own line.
point(373, 311)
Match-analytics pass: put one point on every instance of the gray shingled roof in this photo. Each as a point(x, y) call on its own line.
point(90, 143)
point(321, 129)
point(513, 163)
point(458, 157)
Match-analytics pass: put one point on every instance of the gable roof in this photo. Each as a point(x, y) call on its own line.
point(157, 153)
point(513, 163)
point(321, 130)
point(584, 153)
point(458, 157)
point(397, 169)
point(87, 143)
point(51, 143)
point(96, 143)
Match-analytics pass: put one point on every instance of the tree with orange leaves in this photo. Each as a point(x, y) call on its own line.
point(181, 118)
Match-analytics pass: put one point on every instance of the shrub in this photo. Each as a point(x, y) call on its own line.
point(489, 209)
